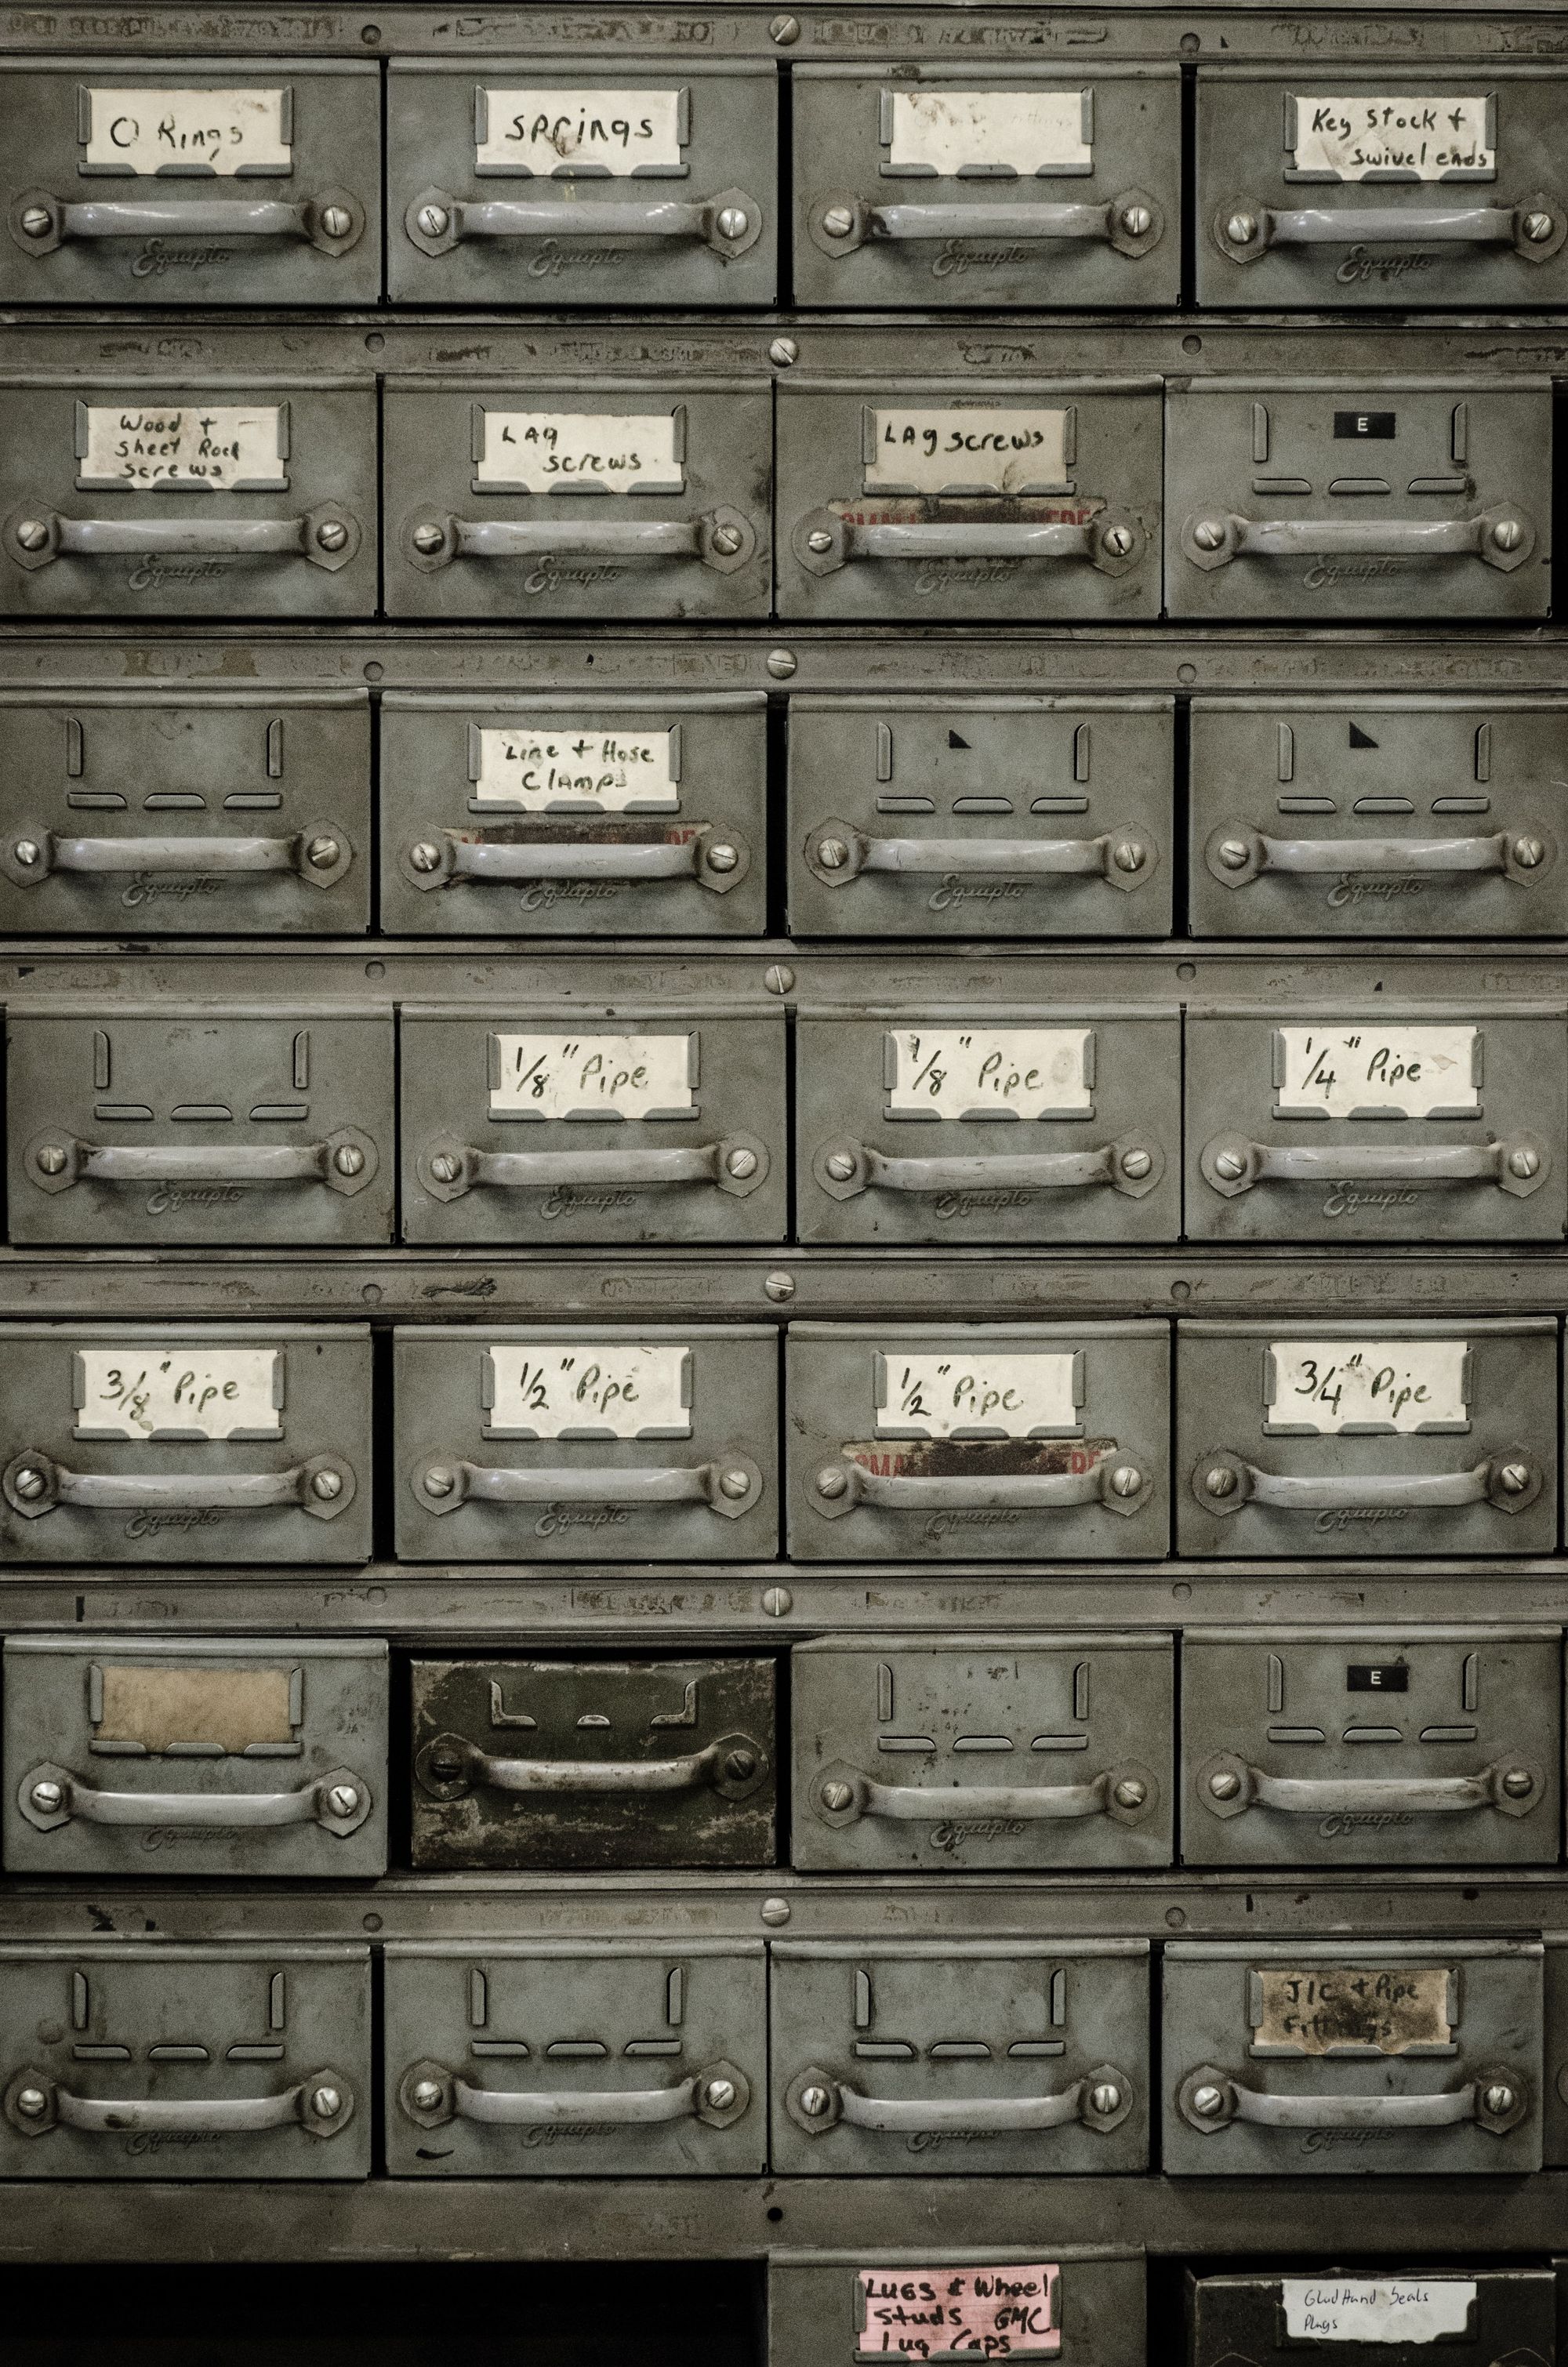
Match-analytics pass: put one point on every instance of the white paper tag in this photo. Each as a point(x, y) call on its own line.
point(185, 132)
point(1386, 2309)
point(564, 451)
point(142, 1390)
point(1022, 132)
point(224, 448)
point(1365, 1070)
point(589, 1388)
point(593, 1076)
point(1327, 1386)
point(997, 2311)
point(990, 1072)
point(561, 132)
point(1435, 137)
point(996, 1394)
point(977, 450)
point(575, 764)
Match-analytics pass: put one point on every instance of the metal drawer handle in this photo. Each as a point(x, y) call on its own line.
point(1519, 1164)
point(713, 856)
point(447, 1170)
point(1535, 228)
point(1113, 542)
point(52, 1796)
point(1497, 2099)
point(322, 2104)
point(345, 1161)
point(842, 1795)
point(1223, 1482)
point(1122, 1487)
point(1502, 538)
point(1130, 224)
point(1132, 1166)
point(722, 538)
point(1229, 1785)
point(319, 855)
point(432, 2095)
point(730, 223)
point(730, 1485)
point(34, 1483)
point(836, 853)
point(334, 222)
point(35, 536)
point(451, 1767)
point(1101, 2101)
point(1237, 855)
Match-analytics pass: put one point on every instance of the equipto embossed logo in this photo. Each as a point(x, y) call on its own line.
point(996, 1196)
point(160, 2140)
point(1343, 1201)
point(985, 1829)
point(552, 259)
point(1352, 887)
point(567, 2133)
point(556, 1517)
point(928, 2140)
point(156, 257)
point(549, 577)
point(1356, 1820)
point(942, 1524)
point(565, 1201)
point(146, 889)
point(152, 575)
point(169, 1199)
point(956, 255)
point(1359, 264)
point(953, 891)
point(1349, 1515)
point(156, 1524)
point(1326, 572)
point(546, 894)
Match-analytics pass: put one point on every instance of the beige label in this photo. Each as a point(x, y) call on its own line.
point(577, 764)
point(589, 1388)
point(559, 132)
point(1365, 1070)
point(185, 132)
point(567, 451)
point(997, 2311)
point(989, 1072)
point(188, 447)
point(1327, 1386)
point(141, 1392)
point(593, 1076)
point(999, 1395)
point(162, 1709)
point(1022, 132)
point(1323, 2012)
point(1404, 139)
point(1380, 2309)
point(975, 448)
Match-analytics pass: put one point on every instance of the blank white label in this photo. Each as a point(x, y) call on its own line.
point(1386, 2309)
point(185, 132)
point(938, 1394)
point(560, 132)
point(561, 451)
point(197, 446)
point(982, 449)
point(596, 1389)
point(144, 1391)
point(1022, 132)
point(1406, 139)
point(576, 765)
point(1327, 1386)
point(593, 1076)
point(1365, 1070)
point(989, 1072)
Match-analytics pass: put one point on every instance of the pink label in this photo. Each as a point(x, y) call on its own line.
point(997, 2312)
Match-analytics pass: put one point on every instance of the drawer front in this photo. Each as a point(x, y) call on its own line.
point(1390, 1129)
point(193, 1129)
point(1327, 188)
point(1336, 501)
point(154, 181)
point(528, 186)
point(574, 817)
point(209, 1757)
point(622, 2060)
point(153, 2061)
point(1007, 1126)
point(1367, 1438)
point(992, 1442)
point(616, 1443)
point(596, 1764)
point(245, 812)
point(1376, 818)
point(603, 499)
point(841, 2307)
point(1267, 2317)
point(1303, 2060)
point(983, 1754)
point(130, 498)
point(935, 187)
point(575, 1127)
point(942, 2060)
point(980, 817)
point(1028, 504)
point(217, 1442)
point(1427, 1746)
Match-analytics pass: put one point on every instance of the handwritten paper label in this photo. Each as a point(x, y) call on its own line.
point(572, 765)
point(185, 133)
point(1341, 2010)
point(185, 448)
point(593, 1076)
point(588, 1388)
point(567, 451)
point(978, 448)
point(1365, 1070)
point(1329, 1386)
point(987, 2313)
point(143, 1391)
point(1023, 1394)
point(1387, 2309)
point(558, 133)
point(1022, 132)
point(990, 1072)
point(1439, 138)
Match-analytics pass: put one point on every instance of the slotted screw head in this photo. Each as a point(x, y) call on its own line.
point(425, 2096)
point(1128, 854)
point(47, 1798)
point(1105, 2099)
point(1126, 1479)
point(32, 534)
point(445, 1167)
point(775, 1910)
point(349, 1160)
point(326, 2103)
point(1230, 1164)
point(433, 220)
point(1136, 1165)
point(1118, 541)
point(322, 853)
point(1130, 1793)
point(1233, 854)
point(1499, 2099)
point(1242, 229)
point(1538, 228)
point(446, 1766)
point(814, 2101)
point(741, 1766)
point(1209, 534)
point(33, 2103)
point(1225, 1785)
point(718, 2095)
point(840, 1165)
point(1527, 853)
point(778, 978)
point(832, 854)
point(51, 1159)
point(1524, 1164)
point(1513, 1478)
point(733, 222)
point(833, 1481)
point(782, 663)
point(343, 1799)
point(1137, 221)
point(428, 539)
point(836, 1796)
point(838, 222)
point(783, 350)
point(819, 540)
point(734, 1484)
point(36, 221)
point(1507, 534)
point(439, 1481)
point(721, 858)
point(27, 852)
point(1220, 1481)
point(327, 1485)
point(28, 1483)
point(425, 856)
point(785, 29)
point(740, 1164)
point(332, 535)
point(336, 221)
point(1518, 1783)
point(726, 540)
point(1207, 2103)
